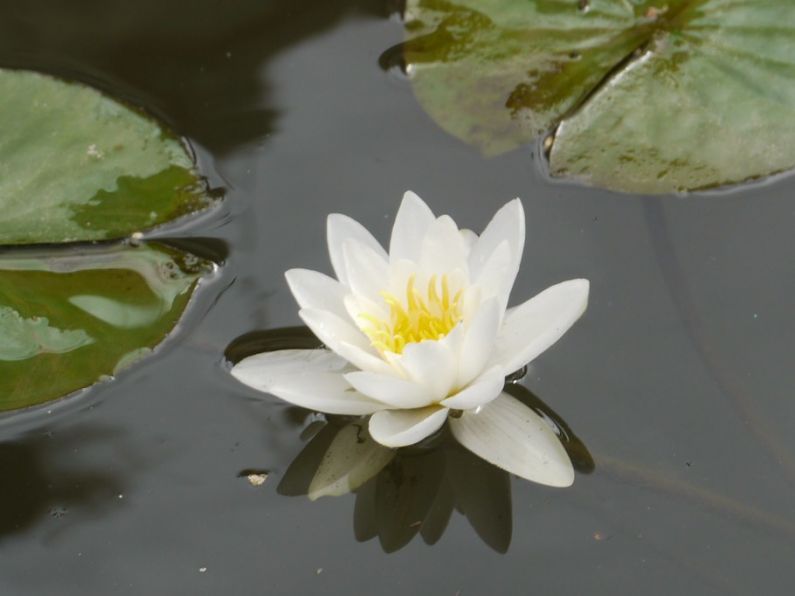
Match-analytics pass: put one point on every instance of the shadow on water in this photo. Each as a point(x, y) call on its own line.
point(44, 477)
point(405, 492)
point(198, 66)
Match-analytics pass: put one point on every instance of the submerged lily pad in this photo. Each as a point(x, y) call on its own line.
point(650, 96)
point(71, 318)
point(76, 165)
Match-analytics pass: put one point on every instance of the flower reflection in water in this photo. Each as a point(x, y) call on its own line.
point(402, 493)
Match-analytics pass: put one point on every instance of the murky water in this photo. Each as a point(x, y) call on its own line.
point(678, 379)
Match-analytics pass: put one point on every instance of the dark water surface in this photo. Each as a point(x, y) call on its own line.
point(679, 379)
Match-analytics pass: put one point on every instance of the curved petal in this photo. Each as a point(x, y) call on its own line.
point(484, 389)
point(469, 237)
point(497, 276)
point(312, 289)
point(367, 271)
point(360, 309)
point(344, 338)
point(513, 437)
point(388, 389)
point(507, 224)
point(532, 327)
point(399, 428)
point(340, 228)
point(432, 365)
point(311, 379)
point(331, 329)
point(365, 359)
point(478, 342)
point(443, 249)
point(411, 223)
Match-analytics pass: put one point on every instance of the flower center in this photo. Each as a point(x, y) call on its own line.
point(423, 316)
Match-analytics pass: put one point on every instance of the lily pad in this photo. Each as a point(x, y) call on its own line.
point(648, 96)
point(71, 318)
point(76, 165)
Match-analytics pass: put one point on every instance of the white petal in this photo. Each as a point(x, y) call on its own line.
point(344, 338)
point(478, 342)
point(331, 329)
point(469, 237)
point(349, 462)
point(390, 389)
point(310, 379)
point(367, 271)
point(507, 224)
point(312, 289)
point(513, 437)
point(443, 249)
point(365, 359)
point(430, 364)
point(358, 308)
point(411, 223)
point(398, 428)
point(497, 276)
point(340, 228)
point(484, 389)
point(532, 327)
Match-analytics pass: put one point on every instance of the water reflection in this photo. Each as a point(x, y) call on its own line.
point(412, 491)
point(197, 65)
point(407, 492)
point(44, 478)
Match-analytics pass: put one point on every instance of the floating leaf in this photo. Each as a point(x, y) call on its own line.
point(72, 318)
point(650, 96)
point(76, 165)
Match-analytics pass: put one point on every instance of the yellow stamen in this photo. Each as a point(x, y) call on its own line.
point(429, 316)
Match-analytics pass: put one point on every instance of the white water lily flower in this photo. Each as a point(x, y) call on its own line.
point(421, 332)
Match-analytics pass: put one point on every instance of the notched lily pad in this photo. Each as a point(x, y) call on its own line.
point(76, 165)
point(70, 318)
point(649, 96)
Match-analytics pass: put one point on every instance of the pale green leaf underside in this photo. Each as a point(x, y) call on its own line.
point(648, 96)
point(71, 318)
point(76, 165)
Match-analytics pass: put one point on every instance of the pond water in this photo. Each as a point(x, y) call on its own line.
point(678, 379)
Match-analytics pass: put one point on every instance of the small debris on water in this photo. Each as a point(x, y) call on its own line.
point(254, 477)
point(202, 569)
point(257, 479)
point(319, 571)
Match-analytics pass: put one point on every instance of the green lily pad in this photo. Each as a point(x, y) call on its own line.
point(76, 165)
point(71, 318)
point(648, 96)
